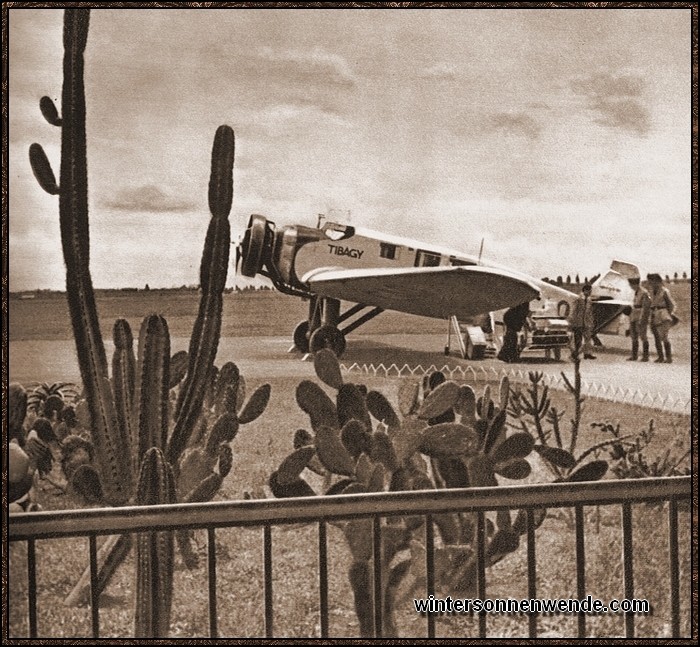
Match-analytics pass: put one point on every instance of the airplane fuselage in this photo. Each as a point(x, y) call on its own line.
point(340, 246)
point(342, 262)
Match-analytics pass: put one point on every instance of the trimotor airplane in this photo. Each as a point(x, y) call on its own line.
point(376, 272)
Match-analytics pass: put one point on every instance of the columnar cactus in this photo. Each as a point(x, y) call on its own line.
point(129, 416)
point(73, 211)
point(154, 579)
point(207, 328)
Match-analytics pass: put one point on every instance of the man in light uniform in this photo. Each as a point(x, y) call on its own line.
point(662, 318)
point(639, 320)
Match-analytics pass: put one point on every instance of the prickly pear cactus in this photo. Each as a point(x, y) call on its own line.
point(16, 411)
point(444, 436)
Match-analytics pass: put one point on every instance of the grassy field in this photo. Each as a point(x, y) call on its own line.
point(246, 314)
point(263, 313)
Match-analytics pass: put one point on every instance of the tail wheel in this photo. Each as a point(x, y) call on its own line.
point(327, 337)
point(253, 243)
point(301, 336)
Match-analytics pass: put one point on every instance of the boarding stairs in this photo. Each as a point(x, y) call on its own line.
point(475, 338)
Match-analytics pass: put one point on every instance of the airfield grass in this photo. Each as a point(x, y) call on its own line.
point(258, 450)
point(249, 313)
point(262, 445)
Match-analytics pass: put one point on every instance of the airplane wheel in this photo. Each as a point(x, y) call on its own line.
point(301, 336)
point(253, 243)
point(327, 337)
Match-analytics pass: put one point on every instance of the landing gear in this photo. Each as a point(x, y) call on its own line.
point(327, 337)
point(321, 329)
point(301, 336)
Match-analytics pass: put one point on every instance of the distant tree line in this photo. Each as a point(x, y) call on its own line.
point(560, 280)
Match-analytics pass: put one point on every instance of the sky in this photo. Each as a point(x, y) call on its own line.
point(561, 138)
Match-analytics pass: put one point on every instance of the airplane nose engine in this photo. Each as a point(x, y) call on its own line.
point(256, 248)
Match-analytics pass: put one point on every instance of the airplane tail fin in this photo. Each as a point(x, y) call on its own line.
point(614, 283)
point(628, 270)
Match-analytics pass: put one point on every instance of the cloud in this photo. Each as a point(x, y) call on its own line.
point(316, 66)
point(514, 123)
point(618, 101)
point(441, 70)
point(292, 118)
point(148, 198)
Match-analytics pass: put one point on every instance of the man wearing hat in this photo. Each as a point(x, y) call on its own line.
point(639, 320)
point(581, 323)
point(662, 318)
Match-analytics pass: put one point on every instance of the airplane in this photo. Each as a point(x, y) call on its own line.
point(377, 272)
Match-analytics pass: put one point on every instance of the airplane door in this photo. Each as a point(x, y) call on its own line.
point(426, 259)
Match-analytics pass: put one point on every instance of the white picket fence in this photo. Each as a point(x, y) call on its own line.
point(481, 374)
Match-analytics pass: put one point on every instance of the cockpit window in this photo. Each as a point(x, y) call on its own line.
point(334, 231)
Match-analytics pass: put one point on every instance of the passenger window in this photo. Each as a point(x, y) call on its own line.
point(427, 259)
point(387, 251)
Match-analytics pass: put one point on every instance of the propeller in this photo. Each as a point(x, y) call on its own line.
point(238, 255)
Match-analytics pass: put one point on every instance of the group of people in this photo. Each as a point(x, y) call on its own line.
point(652, 308)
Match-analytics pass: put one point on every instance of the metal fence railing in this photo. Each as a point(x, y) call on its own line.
point(267, 513)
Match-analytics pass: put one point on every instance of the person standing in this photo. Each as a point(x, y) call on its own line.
point(662, 318)
point(513, 319)
point(639, 320)
point(581, 323)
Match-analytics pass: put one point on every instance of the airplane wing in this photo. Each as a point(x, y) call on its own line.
point(439, 292)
